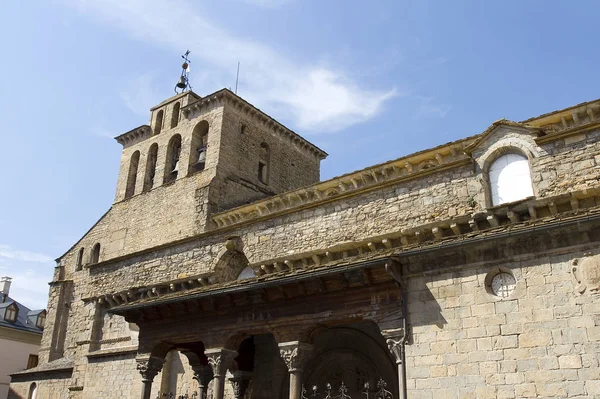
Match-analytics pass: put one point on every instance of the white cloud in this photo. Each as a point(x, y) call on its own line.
point(25, 256)
point(316, 97)
point(429, 109)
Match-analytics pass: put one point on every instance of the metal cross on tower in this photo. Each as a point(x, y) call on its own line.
point(184, 81)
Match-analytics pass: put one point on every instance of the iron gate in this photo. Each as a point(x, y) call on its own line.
point(380, 392)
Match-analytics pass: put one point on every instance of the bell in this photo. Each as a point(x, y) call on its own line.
point(182, 84)
point(176, 167)
point(201, 156)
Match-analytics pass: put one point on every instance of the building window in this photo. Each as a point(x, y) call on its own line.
point(95, 256)
point(173, 153)
point(242, 128)
point(132, 175)
point(510, 179)
point(32, 361)
point(199, 147)
point(32, 391)
point(11, 313)
point(41, 320)
point(175, 115)
point(263, 164)
point(79, 259)
point(158, 122)
point(150, 167)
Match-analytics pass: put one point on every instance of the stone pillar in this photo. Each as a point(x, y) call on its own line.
point(239, 381)
point(294, 355)
point(148, 367)
point(396, 339)
point(220, 359)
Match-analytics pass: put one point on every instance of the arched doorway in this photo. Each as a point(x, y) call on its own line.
point(352, 355)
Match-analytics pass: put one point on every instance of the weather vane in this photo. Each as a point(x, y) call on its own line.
point(184, 79)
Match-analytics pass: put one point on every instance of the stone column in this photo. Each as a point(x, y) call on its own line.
point(396, 339)
point(294, 355)
point(239, 381)
point(148, 367)
point(220, 359)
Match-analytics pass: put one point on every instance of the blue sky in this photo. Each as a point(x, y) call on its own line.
point(365, 81)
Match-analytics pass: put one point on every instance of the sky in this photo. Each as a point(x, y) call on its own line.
point(367, 81)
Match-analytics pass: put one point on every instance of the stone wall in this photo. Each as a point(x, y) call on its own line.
point(541, 342)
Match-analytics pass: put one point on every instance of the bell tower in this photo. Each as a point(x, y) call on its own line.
point(202, 155)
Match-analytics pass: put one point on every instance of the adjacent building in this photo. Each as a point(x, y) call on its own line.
point(20, 336)
point(225, 266)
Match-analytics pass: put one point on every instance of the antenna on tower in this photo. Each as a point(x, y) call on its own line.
point(184, 79)
point(237, 77)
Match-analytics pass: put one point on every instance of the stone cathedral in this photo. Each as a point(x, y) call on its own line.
point(226, 269)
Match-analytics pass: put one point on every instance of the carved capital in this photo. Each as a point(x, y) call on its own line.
point(220, 360)
point(295, 354)
point(395, 340)
point(149, 367)
point(239, 382)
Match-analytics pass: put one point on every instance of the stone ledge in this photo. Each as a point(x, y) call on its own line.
point(124, 350)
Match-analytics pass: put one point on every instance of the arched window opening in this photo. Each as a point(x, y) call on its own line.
point(510, 179)
point(32, 391)
point(199, 147)
point(175, 115)
point(132, 176)
point(173, 153)
point(263, 163)
point(248, 272)
point(150, 167)
point(79, 264)
point(95, 255)
point(158, 122)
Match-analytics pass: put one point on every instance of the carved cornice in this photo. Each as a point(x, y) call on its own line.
point(506, 216)
point(403, 169)
point(254, 113)
point(134, 136)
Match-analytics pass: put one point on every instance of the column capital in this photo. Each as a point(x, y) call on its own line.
point(220, 359)
point(295, 354)
point(395, 340)
point(149, 367)
point(239, 381)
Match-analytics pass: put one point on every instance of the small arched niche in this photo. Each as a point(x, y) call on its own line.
point(95, 255)
point(509, 179)
point(150, 167)
point(132, 175)
point(199, 147)
point(263, 163)
point(175, 115)
point(32, 391)
point(158, 122)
